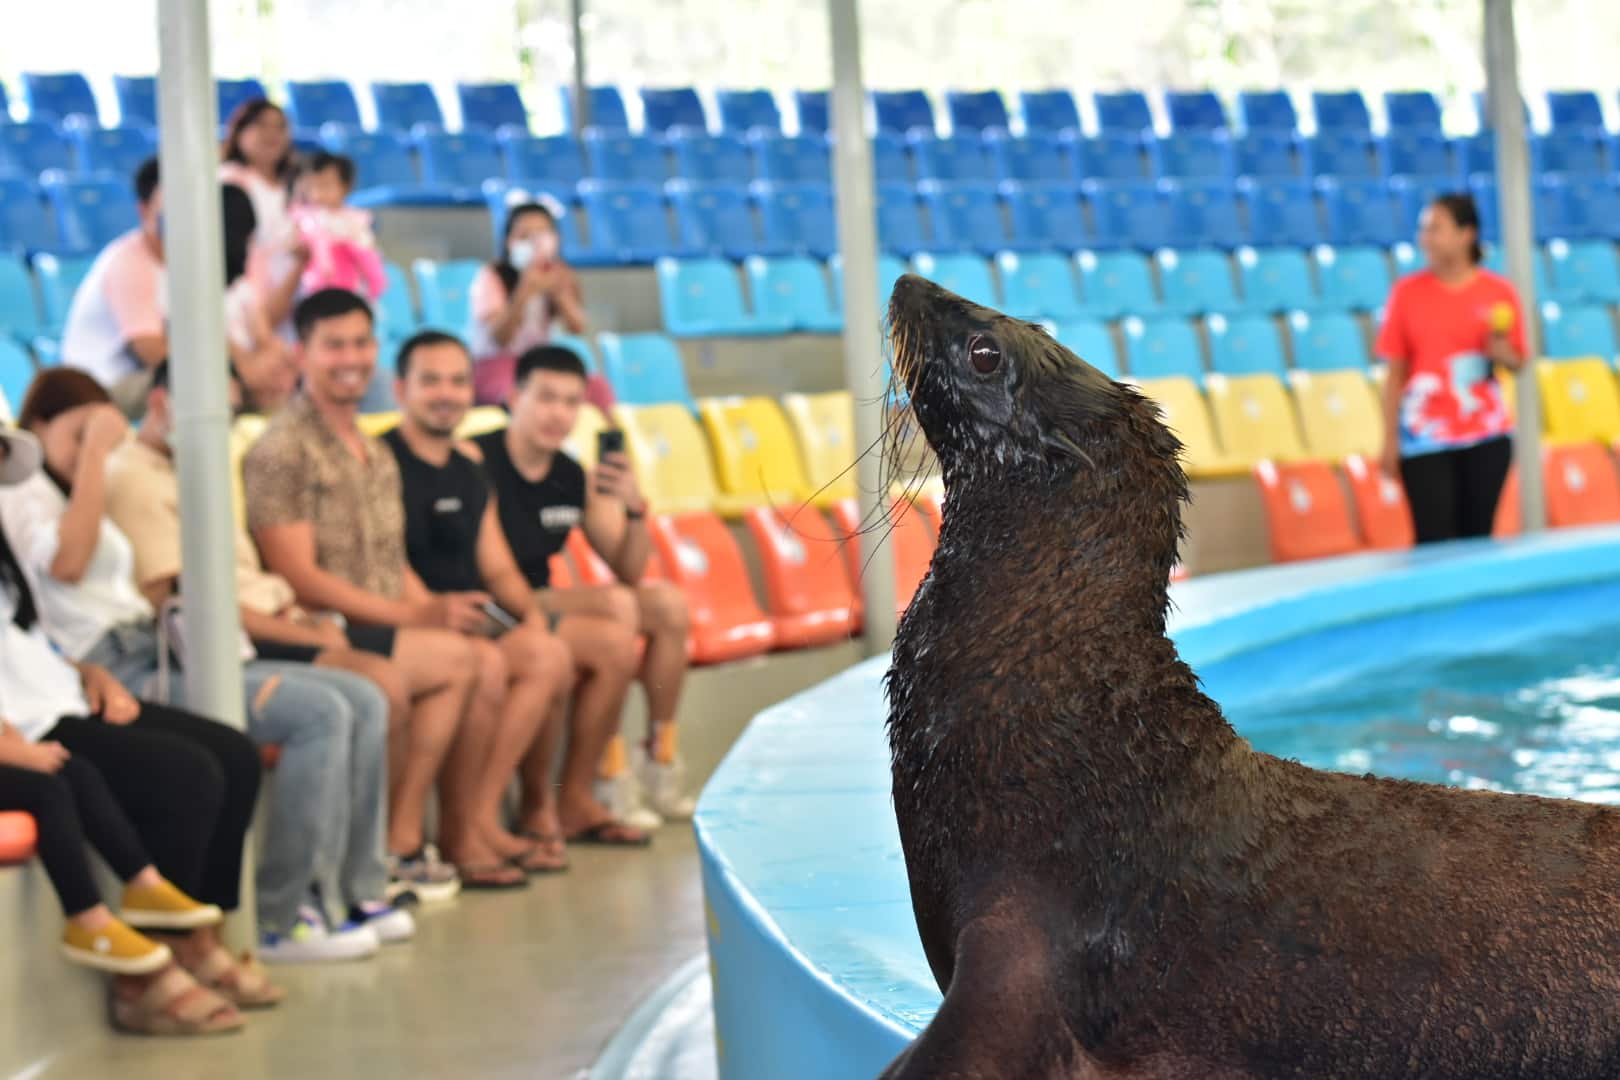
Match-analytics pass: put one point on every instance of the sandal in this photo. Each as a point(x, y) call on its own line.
point(174, 1003)
point(492, 877)
point(611, 834)
point(241, 980)
point(545, 857)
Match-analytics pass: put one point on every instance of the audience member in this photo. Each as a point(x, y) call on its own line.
point(516, 298)
point(258, 158)
point(542, 494)
point(342, 248)
point(261, 358)
point(321, 873)
point(455, 545)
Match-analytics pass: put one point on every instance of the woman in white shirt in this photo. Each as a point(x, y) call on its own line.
point(258, 158)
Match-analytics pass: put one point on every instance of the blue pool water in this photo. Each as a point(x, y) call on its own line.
point(1517, 693)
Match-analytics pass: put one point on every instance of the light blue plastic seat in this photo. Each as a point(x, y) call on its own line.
point(1196, 282)
point(1039, 285)
point(628, 222)
point(396, 311)
point(1116, 283)
point(20, 314)
point(704, 298)
point(1327, 341)
point(645, 369)
point(1584, 271)
point(1579, 330)
point(965, 275)
point(16, 373)
point(890, 268)
point(1160, 347)
point(1352, 278)
point(59, 279)
point(794, 289)
point(1090, 340)
point(444, 288)
point(1245, 345)
point(1275, 279)
point(715, 219)
point(899, 220)
point(91, 212)
point(24, 224)
point(580, 347)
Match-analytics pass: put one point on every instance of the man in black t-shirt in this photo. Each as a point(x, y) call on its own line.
point(455, 544)
point(543, 494)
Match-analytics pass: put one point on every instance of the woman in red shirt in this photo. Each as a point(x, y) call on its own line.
point(1447, 328)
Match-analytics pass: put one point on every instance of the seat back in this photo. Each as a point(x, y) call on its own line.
point(444, 289)
point(1579, 330)
point(55, 96)
point(396, 310)
point(113, 152)
point(1419, 153)
point(1577, 152)
point(1109, 156)
point(19, 300)
point(901, 111)
point(1282, 213)
point(792, 288)
point(1091, 341)
point(464, 158)
point(824, 426)
point(801, 159)
point(1035, 158)
point(137, 99)
point(1580, 400)
point(1197, 155)
point(697, 552)
point(1363, 212)
point(670, 456)
point(754, 451)
point(381, 159)
point(1129, 214)
point(1584, 270)
point(807, 585)
point(403, 106)
point(1267, 109)
point(1244, 345)
point(899, 220)
point(714, 219)
point(965, 217)
point(976, 111)
point(1327, 341)
point(606, 108)
point(798, 218)
point(714, 159)
point(1340, 414)
point(1254, 418)
point(1196, 282)
point(1352, 278)
point(1038, 285)
point(957, 158)
point(232, 94)
point(1050, 111)
point(1204, 213)
point(59, 279)
point(555, 159)
point(24, 224)
point(742, 111)
point(645, 369)
point(1574, 109)
point(1341, 110)
point(813, 113)
point(1195, 110)
point(1046, 216)
point(1124, 111)
point(1266, 154)
point(628, 221)
point(1345, 155)
point(93, 212)
point(1306, 513)
point(625, 158)
point(909, 540)
point(1115, 283)
point(1383, 516)
point(34, 147)
point(1275, 279)
point(323, 101)
point(1412, 110)
point(700, 296)
point(675, 107)
point(1162, 347)
point(491, 106)
point(1186, 412)
point(1582, 487)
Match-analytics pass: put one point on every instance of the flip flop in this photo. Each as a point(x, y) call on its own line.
point(548, 864)
point(611, 834)
point(492, 877)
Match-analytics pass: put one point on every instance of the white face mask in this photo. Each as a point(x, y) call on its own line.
point(520, 253)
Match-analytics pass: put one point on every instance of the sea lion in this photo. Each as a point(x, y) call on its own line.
point(1107, 879)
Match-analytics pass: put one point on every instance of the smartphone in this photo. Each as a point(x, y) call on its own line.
point(500, 619)
point(610, 441)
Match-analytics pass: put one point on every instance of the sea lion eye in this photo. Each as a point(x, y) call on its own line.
point(984, 354)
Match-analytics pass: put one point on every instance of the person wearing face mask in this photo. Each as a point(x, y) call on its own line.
point(516, 299)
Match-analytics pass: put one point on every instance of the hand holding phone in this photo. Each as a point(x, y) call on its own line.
point(500, 619)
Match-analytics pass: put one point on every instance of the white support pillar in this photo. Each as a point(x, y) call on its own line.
point(582, 102)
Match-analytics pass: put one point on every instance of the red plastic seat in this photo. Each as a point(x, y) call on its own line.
point(1381, 507)
point(1582, 486)
point(1306, 513)
point(1509, 512)
point(594, 570)
point(17, 836)
point(910, 539)
point(699, 554)
point(807, 586)
point(562, 575)
point(932, 504)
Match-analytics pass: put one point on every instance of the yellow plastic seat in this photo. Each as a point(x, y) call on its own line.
point(754, 454)
point(581, 444)
point(245, 431)
point(671, 459)
point(1580, 400)
point(1187, 414)
point(481, 421)
point(824, 425)
point(1254, 418)
point(378, 424)
point(1339, 413)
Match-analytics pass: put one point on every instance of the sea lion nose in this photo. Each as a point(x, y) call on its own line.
point(908, 287)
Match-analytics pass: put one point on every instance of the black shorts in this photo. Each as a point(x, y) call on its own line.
point(372, 638)
point(280, 650)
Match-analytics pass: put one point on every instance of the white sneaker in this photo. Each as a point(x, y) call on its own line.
point(392, 925)
point(423, 876)
point(310, 941)
point(622, 797)
point(662, 786)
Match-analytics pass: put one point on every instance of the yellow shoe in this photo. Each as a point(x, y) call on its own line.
point(164, 907)
point(115, 948)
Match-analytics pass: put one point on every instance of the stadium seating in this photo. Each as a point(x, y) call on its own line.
point(744, 111)
point(965, 275)
point(889, 270)
point(137, 99)
point(1339, 413)
point(1579, 330)
point(794, 289)
point(1306, 513)
point(1352, 278)
point(1476, 154)
point(755, 456)
point(890, 162)
point(1267, 110)
point(1411, 111)
point(1203, 213)
point(1327, 341)
point(1282, 213)
point(902, 111)
point(976, 111)
point(792, 160)
point(114, 152)
point(645, 369)
point(1362, 212)
point(1092, 342)
point(1162, 347)
point(699, 554)
point(1109, 156)
point(55, 96)
point(1194, 110)
point(1128, 214)
point(403, 106)
point(1039, 286)
point(1590, 207)
point(964, 217)
point(385, 171)
point(1196, 282)
point(671, 459)
point(703, 298)
point(798, 218)
point(91, 212)
point(1576, 152)
point(909, 543)
point(1345, 155)
point(232, 94)
point(812, 107)
point(1267, 154)
point(459, 160)
point(1254, 418)
point(957, 158)
point(491, 106)
point(581, 347)
point(59, 278)
point(1574, 109)
point(1048, 111)
point(443, 289)
point(1196, 155)
point(667, 109)
point(328, 101)
point(899, 220)
point(1383, 517)
point(16, 372)
point(1045, 217)
point(18, 835)
point(1116, 283)
point(714, 219)
point(396, 314)
point(624, 158)
point(20, 315)
point(1585, 270)
point(1186, 413)
point(1581, 485)
point(808, 593)
point(24, 225)
point(1340, 110)
point(606, 111)
point(1244, 345)
point(33, 147)
point(1033, 159)
point(1509, 519)
point(824, 427)
point(712, 158)
point(554, 160)
point(1420, 153)
point(1125, 111)
point(1580, 400)
point(628, 222)
point(1275, 280)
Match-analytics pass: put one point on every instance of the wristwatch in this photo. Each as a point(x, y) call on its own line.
point(635, 515)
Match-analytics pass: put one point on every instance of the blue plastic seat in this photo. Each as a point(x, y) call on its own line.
point(444, 288)
point(1124, 111)
point(59, 281)
point(606, 110)
point(1476, 153)
point(1590, 207)
point(1161, 347)
point(1574, 109)
point(1352, 278)
point(1327, 341)
point(33, 147)
point(1046, 217)
point(890, 162)
point(889, 270)
point(1196, 155)
point(24, 224)
point(232, 94)
point(1196, 282)
point(1496, 261)
point(1245, 345)
point(1483, 188)
point(645, 369)
point(703, 298)
point(1341, 110)
point(1033, 159)
point(1411, 111)
point(901, 111)
point(1267, 154)
point(1195, 110)
point(802, 159)
point(793, 289)
point(1282, 213)
point(1419, 153)
point(965, 217)
point(90, 212)
point(1090, 340)
point(1585, 270)
point(20, 314)
point(815, 116)
point(1109, 157)
point(115, 152)
point(55, 96)
point(1128, 214)
point(556, 159)
point(1345, 155)
point(403, 106)
point(320, 102)
point(1579, 330)
point(1275, 279)
point(1203, 214)
point(664, 110)
point(1039, 285)
point(976, 111)
point(137, 99)
point(798, 218)
point(955, 159)
point(384, 168)
point(628, 222)
point(463, 159)
point(1572, 152)
point(491, 106)
point(715, 219)
point(1048, 111)
point(1116, 283)
point(712, 159)
point(967, 276)
point(1268, 110)
point(1413, 194)
point(16, 375)
point(580, 347)
point(899, 220)
point(1361, 212)
point(624, 158)
point(1483, 113)
point(396, 311)
point(743, 111)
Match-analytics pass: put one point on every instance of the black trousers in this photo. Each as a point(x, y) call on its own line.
point(70, 807)
point(188, 784)
point(1453, 493)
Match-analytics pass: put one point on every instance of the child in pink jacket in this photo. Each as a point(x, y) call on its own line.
point(342, 248)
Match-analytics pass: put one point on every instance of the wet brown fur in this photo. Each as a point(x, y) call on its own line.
point(1107, 879)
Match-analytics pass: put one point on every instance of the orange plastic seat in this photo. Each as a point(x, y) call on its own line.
point(1382, 511)
point(1582, 486)
point(909, 539)
point(1306, 513)
point(807, 586)
point(592, 569)
point(17, 836)
point(699, 554)
point(932, 504)
point(1509, 513)
point(562, 575)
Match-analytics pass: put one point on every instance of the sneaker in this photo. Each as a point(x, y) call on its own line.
point(622, 797)
point(116, 947)
point(432, 880)
point(391, 924)
point(164, 907)
point(310, 941)
point(662, 786)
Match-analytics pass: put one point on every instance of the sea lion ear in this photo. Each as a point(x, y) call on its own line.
point(1056, 442)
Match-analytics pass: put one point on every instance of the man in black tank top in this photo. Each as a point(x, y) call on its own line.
point(544, 494)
